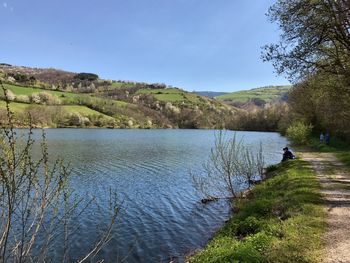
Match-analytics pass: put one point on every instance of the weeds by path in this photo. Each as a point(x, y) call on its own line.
point(282, 222)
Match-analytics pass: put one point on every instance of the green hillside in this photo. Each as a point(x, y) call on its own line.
point(266, 94)
point(178, 96)
point(167, 95)
point(56, 98)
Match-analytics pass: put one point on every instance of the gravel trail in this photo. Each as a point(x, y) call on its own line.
point(335, 181)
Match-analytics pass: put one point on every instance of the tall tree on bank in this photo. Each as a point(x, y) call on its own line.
point(314, 53)
point(315, 36)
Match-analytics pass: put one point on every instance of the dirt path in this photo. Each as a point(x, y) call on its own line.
point(335, 181)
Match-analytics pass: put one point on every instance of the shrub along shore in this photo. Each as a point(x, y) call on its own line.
point(282, 220)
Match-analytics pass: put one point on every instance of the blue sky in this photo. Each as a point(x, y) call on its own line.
point(192, 44)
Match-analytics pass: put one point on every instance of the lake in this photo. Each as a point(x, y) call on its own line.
point(161, 217)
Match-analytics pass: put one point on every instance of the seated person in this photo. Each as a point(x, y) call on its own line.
point(287, 154)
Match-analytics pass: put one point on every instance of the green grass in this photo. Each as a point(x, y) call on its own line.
point(338, 146)
point(344, 156)
point(195, 99)
point(20, 90)
point(167, 95)
point(174, 95)
point(99, 100)
point(283, 222)
point(266, 93)
point(170, 97)
point(117, 84)
point(22, 107)
point(83, 110)
point(66, 97)
point(159, 91)
point(14, 106)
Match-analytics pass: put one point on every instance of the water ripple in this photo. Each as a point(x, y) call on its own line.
point(161, 217)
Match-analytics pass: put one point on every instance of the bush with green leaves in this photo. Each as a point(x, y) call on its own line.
point(299, 132)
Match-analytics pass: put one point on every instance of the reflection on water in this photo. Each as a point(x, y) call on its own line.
point(161, 217)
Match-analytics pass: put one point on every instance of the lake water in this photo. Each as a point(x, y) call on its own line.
point(161, 216)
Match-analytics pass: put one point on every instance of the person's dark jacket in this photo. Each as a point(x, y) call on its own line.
point(287, 155)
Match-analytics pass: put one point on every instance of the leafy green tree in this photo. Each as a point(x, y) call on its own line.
point(86, 76)
point(324, 101)
point(299, 132)
point(315, 36)
point(314, 52)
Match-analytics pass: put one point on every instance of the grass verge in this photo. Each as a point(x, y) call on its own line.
point(339, 147)
point(283, 221)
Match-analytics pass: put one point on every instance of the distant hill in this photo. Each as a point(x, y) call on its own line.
point(58, 98)
point(210, 94)
point(258, 96)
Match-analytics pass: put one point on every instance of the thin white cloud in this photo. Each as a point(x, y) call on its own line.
point(7, 6)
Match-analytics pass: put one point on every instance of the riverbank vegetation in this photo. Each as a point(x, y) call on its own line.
point(282, 220)
point(232, 167)
point(314, 52)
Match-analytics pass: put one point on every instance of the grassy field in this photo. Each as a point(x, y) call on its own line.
point(173, 95)
point(282, 222)
point(265, 93)
point(20, 90)
point(117, 84)
point(159, 91)
point(194, 98)
point(167, 95)
point(15, 107)
point(83, 110)
point(126, 112)
point(101, 111)
point(97, 100)
point(65, 97)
